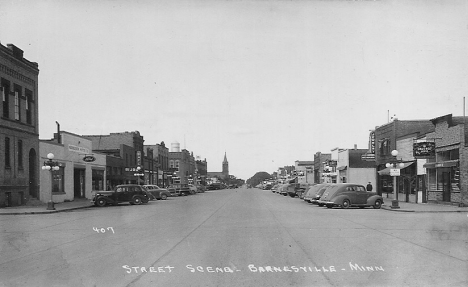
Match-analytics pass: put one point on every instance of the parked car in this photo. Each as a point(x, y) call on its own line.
point(301, 188)
point(214, 186)
point(132, 193)
point(315, 192)
point(346, 195)
point(193, 188)
point(274, 188)
point(179, 189)
point(158, 192)
point(283, 190)
point(200, 188)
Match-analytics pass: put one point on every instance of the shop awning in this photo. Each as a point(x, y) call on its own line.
point(448, 163)
point(294, 180)
point(386, 171)
point(342, 167)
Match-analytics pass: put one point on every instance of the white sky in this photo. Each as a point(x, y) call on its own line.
point(269, 82)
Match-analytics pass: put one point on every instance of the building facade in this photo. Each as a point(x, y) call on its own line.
point(161, 156)
point(19, 131)
point(304, 171)
point(321, 164)
point(125, 153)
point(447, 172)
point(76, 177)
point(386, 138)
point(353, 169)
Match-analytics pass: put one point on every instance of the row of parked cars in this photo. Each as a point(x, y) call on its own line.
point(138, 194)
point(331, 195)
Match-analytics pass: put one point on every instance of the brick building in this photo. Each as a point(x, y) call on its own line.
point(387, 138)
point(19, 131)
point(447, 173)
point(201, 170)
point(161, 157)
point(125, 154)
point(321, 160)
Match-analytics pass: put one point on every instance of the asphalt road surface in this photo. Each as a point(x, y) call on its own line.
point(240, 237)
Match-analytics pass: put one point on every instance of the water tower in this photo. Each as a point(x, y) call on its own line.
point(175, 147)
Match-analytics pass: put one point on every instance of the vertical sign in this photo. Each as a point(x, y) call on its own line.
point(138, 158)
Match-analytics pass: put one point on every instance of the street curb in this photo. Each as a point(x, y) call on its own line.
point(45, 212)
point(420, 211)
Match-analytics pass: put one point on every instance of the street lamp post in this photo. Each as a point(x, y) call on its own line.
point(395, 163)
point(51, 166)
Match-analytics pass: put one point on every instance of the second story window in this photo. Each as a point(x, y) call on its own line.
point(7, 152)
point(5, 91)
point(17, 106)
point(28, 107)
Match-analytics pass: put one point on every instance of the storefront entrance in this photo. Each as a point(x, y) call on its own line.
point(446, 186)
point(79, 183)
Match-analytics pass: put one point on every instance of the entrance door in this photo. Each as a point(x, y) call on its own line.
point(446, 186)
point(79, 183)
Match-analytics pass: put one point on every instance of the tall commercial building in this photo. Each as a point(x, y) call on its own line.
point(19, 131)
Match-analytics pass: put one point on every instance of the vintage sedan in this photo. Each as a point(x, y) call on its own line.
point(313, 192)
point(179, 189)
point(158, 192)
point(345, 195)
point(132, 193)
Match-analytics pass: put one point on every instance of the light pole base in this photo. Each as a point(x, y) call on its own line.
point(395, 204)
point(50, 205)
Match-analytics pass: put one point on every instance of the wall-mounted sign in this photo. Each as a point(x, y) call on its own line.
point(77, 149)
point(424, 149)
point(371, 143)
point(368, 157)
point(89, 158)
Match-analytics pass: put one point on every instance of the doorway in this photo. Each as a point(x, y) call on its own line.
point(33, 174)
point(79, 183)
point(446, 186)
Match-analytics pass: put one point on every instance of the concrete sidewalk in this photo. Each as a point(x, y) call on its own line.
point(42, 208)
point(422, 207)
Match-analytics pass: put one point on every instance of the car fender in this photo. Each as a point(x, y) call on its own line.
point(371, 200)
point(340, 198)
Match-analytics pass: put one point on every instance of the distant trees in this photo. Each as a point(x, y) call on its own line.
point(258, 178)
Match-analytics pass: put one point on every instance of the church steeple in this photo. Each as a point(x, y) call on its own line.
point(225, 165)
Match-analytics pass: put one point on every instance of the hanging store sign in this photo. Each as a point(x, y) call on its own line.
point(394, 172)
point(424, 149)
point(89, 158)
point(371, 143)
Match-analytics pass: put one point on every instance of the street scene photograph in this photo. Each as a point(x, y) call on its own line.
point(233, 143)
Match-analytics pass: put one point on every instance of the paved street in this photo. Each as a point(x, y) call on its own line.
point(243, 237)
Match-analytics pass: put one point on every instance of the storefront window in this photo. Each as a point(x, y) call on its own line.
point(58, 181)
point(98, 179)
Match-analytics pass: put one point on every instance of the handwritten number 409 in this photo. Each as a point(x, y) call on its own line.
point(103, 230)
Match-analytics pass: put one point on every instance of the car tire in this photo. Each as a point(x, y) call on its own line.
point(137, 200)
point(163, 196)
point(100, 202)
point(320, 204)
point(345, 204)
point(377, 204)
point(329, 206)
